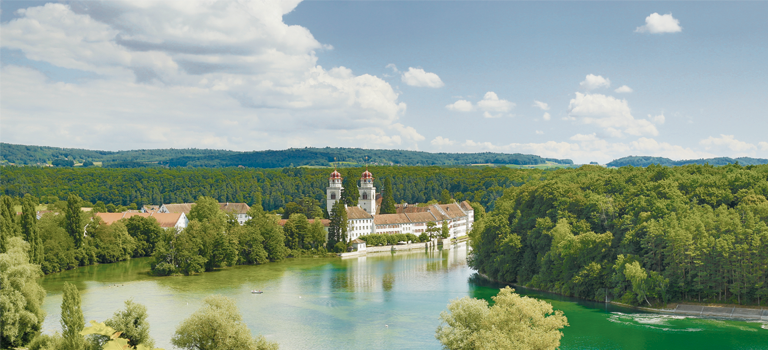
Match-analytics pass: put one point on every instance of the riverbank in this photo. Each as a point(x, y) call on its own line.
point(724, 311)
point(433, 244)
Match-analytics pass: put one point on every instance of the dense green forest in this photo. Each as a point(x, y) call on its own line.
point(32, 155)
point(641, 235)
point(274, 187)
point(637, 161)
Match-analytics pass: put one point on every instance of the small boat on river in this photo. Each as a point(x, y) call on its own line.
point(256, 292)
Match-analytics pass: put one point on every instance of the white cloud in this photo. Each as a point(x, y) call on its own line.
point(233, 76)
point(546, 116)
point(393, 67)
point(623, 89)
point(592, 82)
point(441, 141)
point(659, 119)
point(649, 146)
point(460, 106)
point(418, 77)
point(763, 145)
point(729, 142)
point(492, 103)
point(610, 114)
point(542, 105)
point(656, 24)
point(539, 132)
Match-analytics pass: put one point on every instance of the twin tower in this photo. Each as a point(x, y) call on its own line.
point(367, 200)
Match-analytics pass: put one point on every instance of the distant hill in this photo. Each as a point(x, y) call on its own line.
point(39, 155)
point(638, 161)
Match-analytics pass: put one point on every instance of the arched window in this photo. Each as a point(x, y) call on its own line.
point(333, 196)
point(365, 196)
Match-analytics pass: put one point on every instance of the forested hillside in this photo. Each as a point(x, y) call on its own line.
point(274, 187)
point(34, 155)
point(641, 235)
point(646, 161)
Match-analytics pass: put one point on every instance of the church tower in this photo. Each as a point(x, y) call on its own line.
point(367, 200)
point(333, 192)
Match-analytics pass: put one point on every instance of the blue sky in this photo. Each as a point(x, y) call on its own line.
point(589, 81)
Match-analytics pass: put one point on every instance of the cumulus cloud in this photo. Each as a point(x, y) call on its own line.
point(219, 75)
point(441, 141)
point(658, 119)
point(657, 24)
point(418, 77)
point(763, 145)
point(492, 103)
point(727, 141)
point(592, 82)
point(623, 89)
point(543, 106)
point(460, 106)
point(610, 114)
point(546, 116)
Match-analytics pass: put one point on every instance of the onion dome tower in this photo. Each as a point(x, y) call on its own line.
point(333, 191)
point(367, 200)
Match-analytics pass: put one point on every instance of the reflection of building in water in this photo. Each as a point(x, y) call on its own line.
point(365, 219)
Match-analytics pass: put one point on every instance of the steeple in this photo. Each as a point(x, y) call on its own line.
point(367, 200)
point(333, 191)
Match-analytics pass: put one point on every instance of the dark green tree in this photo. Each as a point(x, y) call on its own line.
point(72, 219)
point(388, 199)
point(445, 232)
point(146, 232)
point(72, 321)
point(8, 225)
point(350, 192)
point(337, 231)
point(296, 231)
point(445, 197)
point(30, 232)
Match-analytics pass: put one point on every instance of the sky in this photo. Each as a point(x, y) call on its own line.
point(587, 81)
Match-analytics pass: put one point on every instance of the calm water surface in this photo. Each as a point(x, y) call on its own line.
point(347, 304)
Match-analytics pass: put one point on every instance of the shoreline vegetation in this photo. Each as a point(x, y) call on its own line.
point(643, 237)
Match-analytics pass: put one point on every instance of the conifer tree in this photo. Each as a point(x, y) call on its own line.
point(72, 320)
point(350, 192)
point(72, 217)
point(30, 232)
point(337, 232)
point(388, 200)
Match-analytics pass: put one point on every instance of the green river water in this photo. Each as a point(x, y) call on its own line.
point(383, 301)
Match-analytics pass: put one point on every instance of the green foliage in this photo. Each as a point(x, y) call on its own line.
point(72, 321)
point(131, 324)
point(642, 235)
point(646, 161)
point(63, 162)
point(316, 236)
point(21, 298)
point(8, 225)
point(445, 197)
point(112, 243)
point(218, 325)
point(30, 231)
point(390, 239)
point(337, 230)
point(388, 199)
point(73, 218)
point(114, 340)
point(145, 231)
point(513, 322)
point(445, 232)
point(350, 192)
point(296, 231)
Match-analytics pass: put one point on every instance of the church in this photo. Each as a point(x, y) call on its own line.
point(365, 219)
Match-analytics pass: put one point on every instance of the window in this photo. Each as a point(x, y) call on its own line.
point(333, 196)
point(365, 196)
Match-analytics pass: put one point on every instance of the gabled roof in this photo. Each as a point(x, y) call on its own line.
point(466, 206)
point(357, 241)
point(166, 220)
point(421, 217)
point(354, 213)
point(453, 210)
point(179, 207)
point(237, 208)
point(391, 219)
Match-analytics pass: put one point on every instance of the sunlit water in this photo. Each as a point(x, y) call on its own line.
point(384, 301)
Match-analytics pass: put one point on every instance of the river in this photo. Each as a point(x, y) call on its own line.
point(383, 301)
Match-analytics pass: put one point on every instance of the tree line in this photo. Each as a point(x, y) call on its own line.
point(638, 235)
point(271, 188)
